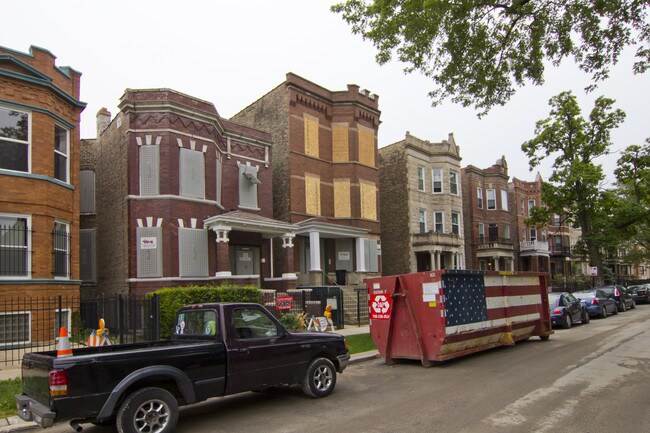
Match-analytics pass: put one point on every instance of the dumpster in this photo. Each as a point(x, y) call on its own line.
point(437, 316)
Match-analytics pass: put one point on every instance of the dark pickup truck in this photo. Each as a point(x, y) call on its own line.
point(216, 350)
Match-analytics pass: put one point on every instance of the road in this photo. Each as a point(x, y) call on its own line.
point(591, 378)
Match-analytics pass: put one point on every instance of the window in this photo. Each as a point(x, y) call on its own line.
point(149, 252)
point(311, 135)
point(420, 178)
point(150, 170)
point(14, 246)
point(533, 235)
point(436, 176)
point(506, 231)
point(342, 202)
point(340, 144)
point(253, 323)
point(491, 199)
point(523, 212)
point(312, 194)
point(15, 327)
point(422, 220)
point(219, 175)
point(366, 146)
point(371, 255)
point(61, 250)
point(192, 173)
point(14, 140)
point(193, 252)
point(248, 182)
point(479, 197)
point(61, 318)
point(439, 222)
point(61, 153)
point(87, 255)
point(531, 205)
point(493, 232)
point(504, 200)
point(455, 223)
point(87, 192)
point(368, 200)
point(481, 232)
point(453, 182)
point(196, 322)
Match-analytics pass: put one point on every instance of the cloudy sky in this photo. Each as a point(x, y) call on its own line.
point(232, 52)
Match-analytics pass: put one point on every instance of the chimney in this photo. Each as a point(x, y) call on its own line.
point(103, 120)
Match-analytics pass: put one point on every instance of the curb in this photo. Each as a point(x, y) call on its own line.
point(361, 357)
point(15, 423)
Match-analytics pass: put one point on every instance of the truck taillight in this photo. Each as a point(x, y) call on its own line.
point(58, 381)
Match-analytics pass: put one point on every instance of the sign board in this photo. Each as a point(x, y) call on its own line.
point(148, 243)
point(284, 303)
point(380, 306)
point(344, 256)
point(593, 271)
point(333, 303)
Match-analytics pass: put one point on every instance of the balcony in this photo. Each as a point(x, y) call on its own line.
point(558, 250)
point(534, 248)
point(436, 238)
point(495, 244)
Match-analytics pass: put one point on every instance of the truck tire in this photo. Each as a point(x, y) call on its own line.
point(320, 378)
point(152, 410)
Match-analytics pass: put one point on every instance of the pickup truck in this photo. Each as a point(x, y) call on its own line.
point(216, 349)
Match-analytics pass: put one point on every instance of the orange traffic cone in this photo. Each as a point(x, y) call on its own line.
point(63, 348)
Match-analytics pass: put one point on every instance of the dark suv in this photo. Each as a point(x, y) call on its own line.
point(620, 295)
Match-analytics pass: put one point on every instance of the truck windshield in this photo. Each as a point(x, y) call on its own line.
point(199, 322)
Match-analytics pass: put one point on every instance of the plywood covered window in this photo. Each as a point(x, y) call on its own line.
point(342, 207)
point(368, 200)
point(192, 167)
point(340, 143)
point(149, 170)
point(193, 252)
point(366, 146)
point(87, 192)
point(149, 252)
point(312, 194)
point(311, 135)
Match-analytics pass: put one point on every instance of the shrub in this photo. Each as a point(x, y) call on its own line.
point(294, 320)
point(172, 298)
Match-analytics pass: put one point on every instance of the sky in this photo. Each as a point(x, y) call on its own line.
point(230, 53)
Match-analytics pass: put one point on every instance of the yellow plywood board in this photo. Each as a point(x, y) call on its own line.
point(366, 146)
point(368, 200)
point(342, 207)
point(311, 135)
point(312, 194)
point(340, 143)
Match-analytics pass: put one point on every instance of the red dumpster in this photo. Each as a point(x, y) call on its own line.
point(436, 316)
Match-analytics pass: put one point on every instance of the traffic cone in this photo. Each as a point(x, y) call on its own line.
point(63, 347)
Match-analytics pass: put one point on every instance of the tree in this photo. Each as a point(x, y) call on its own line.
point(573, 188)
point(478, 51)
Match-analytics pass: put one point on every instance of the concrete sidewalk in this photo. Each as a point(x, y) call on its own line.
point(14, 423)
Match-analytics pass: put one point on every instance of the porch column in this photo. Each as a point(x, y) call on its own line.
point(433, 260)
point(361, 255)
point(223, 251)
point(496, 263)
point(314, 251)
point(437, 260)
point(287, 251)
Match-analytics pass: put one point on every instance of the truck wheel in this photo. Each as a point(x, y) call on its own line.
point(320, 378)
point(148, 410)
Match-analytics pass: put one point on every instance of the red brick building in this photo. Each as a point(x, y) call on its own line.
point(325, 176)
point(533, 242)
point(39, 173)
point(186, 198)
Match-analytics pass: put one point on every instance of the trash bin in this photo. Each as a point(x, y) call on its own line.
point(436, 316)
point(341, 277)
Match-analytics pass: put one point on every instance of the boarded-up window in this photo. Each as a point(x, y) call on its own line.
point(149, 170)
point(248, 182)
point(192, 173)
point(87, 192)
point(340, 144)
point(312, 194)
point(193, 252)
point(311, 135)
point(366, 146)
point(368, 200)
point(342, 208)
point(371, 256)
point(87, 255)
point(219, 181)
point(149, 249)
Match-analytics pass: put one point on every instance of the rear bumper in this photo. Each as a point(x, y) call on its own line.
point(31, 410)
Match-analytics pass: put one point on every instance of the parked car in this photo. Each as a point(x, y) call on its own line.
point(597, 302)
point(566, 310)
point(623, 299)
point(640, 293)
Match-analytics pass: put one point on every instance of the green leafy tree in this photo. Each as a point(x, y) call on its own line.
point(574, 143)
point(478, 51)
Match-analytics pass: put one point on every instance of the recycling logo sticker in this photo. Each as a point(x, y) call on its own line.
point(380, 307)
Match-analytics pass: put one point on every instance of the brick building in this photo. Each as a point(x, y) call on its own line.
point(186, 198)
point(533, 242)
point(325, 176)
point(39, 173)
point(422, 206)
point(490, 237)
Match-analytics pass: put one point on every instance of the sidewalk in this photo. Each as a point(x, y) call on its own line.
point(14, 423)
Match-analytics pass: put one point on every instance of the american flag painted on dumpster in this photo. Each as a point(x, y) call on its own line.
point(489, 309)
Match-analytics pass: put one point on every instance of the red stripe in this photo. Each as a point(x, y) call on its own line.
point(500, 313)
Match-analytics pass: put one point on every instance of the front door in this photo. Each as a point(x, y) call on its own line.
point(247, 260)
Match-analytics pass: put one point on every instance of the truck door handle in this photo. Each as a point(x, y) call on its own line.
point(242, 350)
point(305, 346)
